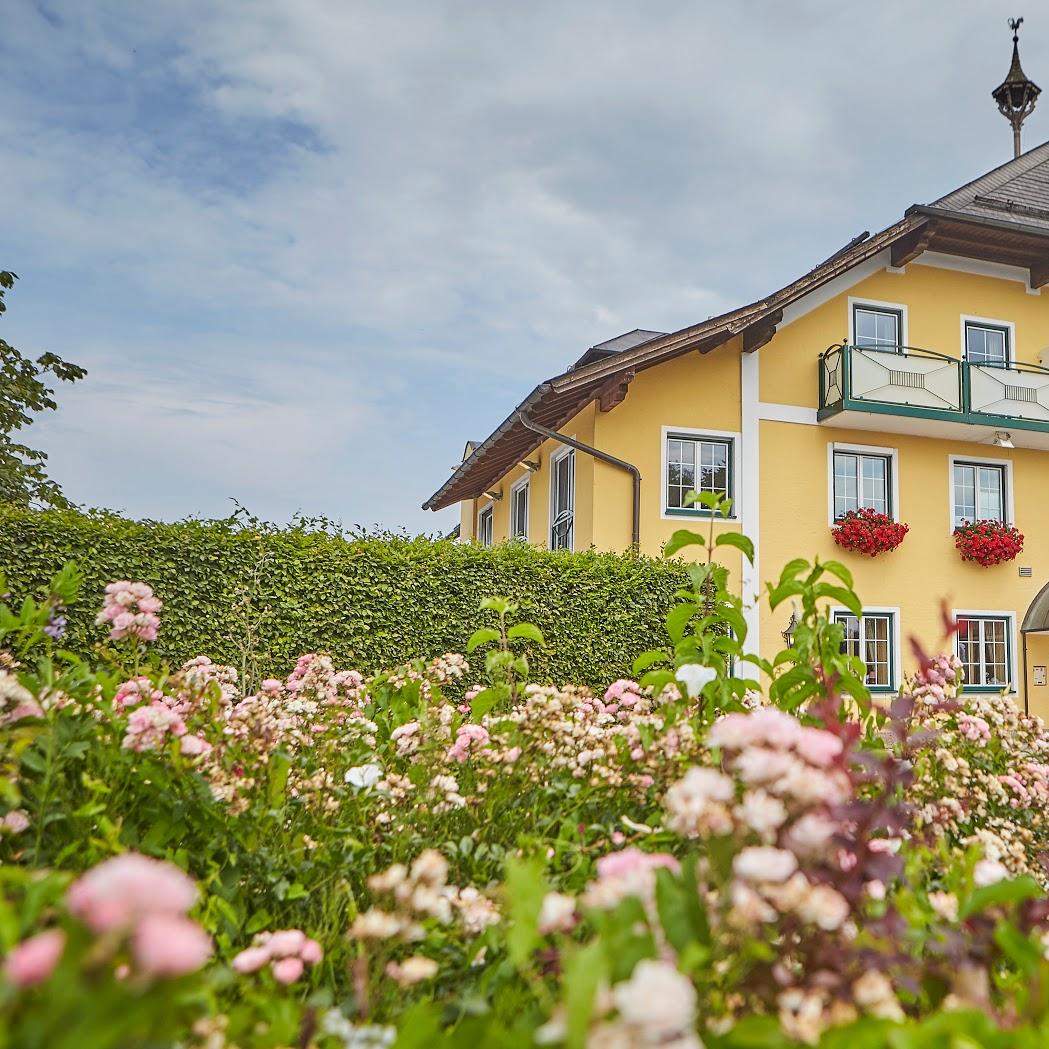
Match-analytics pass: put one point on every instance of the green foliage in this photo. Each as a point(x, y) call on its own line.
point(258, 597)
point(23, 392)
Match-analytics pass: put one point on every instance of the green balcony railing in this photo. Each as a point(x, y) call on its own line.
point(930, 385)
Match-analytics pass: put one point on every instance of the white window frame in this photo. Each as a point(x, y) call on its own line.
point(563, 452)
point(735, 439)
point(884, 452)
point(895, 653)
point(987, 322)
point(1010, 514)
point(516, 487)
point(876, 304)
point(488, 508)
point(1011, 654)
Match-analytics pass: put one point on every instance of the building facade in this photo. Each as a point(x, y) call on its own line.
point(909, 373)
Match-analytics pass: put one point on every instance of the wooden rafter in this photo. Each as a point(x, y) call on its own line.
point(760, 333)
point(908, 248)
point(1040, 275)
point(614, 391)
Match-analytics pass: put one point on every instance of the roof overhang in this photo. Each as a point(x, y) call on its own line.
point(1006, 241)
point(1037, 619)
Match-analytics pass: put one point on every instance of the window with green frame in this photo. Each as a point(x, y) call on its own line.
point(877, 328)
point(872, 638)
point(696, 463)
point(985, 649)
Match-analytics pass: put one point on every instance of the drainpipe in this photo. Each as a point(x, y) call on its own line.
point(1027, 708)
point(619, 464)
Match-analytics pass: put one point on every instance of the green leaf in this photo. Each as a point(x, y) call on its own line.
point(680, 539)
point(1012, 890)
point(738, 540)
point(279, 767)
point(648, 659)
point(525, 889)
point(528, 631)
point(840, 594)
point(485, 701)
point(584, 971)
point(678, 619)
point(484, 636)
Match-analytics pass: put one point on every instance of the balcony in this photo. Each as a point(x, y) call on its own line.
point(923, 392)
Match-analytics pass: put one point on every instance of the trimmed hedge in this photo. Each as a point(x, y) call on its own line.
point(370, 602)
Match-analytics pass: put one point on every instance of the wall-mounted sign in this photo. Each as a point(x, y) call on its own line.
point(1039, 675)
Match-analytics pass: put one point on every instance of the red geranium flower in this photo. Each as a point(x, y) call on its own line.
point(868, 532)
point(988, 542)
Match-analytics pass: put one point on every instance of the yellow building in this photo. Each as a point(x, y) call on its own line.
point(909, 372)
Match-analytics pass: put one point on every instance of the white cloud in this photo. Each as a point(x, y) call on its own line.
point(382, 223)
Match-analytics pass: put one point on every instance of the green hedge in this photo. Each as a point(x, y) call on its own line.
point(370, 602)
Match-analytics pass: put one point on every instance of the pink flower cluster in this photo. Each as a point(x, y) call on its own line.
point(146, 900)
point(149, 728)
point(287, 952)
point(468, 737)
point(130, 610)
point(128, 898)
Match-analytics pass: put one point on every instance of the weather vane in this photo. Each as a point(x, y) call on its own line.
point(1016, 95)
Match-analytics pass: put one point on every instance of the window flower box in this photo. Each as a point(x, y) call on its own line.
point(868, 531)
point(988, 542)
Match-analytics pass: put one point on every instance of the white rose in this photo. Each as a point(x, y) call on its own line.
point(657, 999)
point(764, 863)
point(695, 677)
point(988, 872)
point(557, 913)
point(361, 777)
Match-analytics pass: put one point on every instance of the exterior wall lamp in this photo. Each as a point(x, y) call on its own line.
point(1003, 439)
point(788, 633)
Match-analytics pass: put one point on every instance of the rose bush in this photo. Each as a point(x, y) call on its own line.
point(448, 853)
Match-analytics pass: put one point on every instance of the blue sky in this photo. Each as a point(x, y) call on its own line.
point(306, 249)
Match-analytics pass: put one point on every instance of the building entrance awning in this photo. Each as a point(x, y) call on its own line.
point(1037, 619)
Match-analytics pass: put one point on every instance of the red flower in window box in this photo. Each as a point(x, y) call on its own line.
point(868, 532)
point(988, 542)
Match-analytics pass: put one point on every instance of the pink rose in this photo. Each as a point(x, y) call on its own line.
point(285, 942)
point(169, 945)
point(33, 961)
point(122, 889)
point(311, 952)
point(287, 970)
point(251, 959)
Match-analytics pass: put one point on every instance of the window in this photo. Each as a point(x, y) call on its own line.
point(979, 492)
point(877, 328)
point(984, 649)
point(485, 522)
point(562, 500)
point(986, 344)
point(862, 480)
point(696, 464)
point(519, 510)
point(872, 638)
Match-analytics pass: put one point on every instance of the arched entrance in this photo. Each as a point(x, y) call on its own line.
point(1036, 622)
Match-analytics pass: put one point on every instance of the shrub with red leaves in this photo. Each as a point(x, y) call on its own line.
point(988, 542)
point(868, 532)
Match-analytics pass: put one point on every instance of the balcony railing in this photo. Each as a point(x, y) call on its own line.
point(930, 385)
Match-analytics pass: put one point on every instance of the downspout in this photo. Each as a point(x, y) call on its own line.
point(1027, 710)
point(619, 464)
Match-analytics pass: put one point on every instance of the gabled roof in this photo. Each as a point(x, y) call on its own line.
point(1008, 229)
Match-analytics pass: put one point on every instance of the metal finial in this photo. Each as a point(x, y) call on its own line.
point(1017, 94)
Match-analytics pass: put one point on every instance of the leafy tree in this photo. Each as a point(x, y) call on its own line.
point(23, 391)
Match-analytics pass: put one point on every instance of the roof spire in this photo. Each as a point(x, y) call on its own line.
point(1016, 95)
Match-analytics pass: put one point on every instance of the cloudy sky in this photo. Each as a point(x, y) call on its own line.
point(307, 247)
